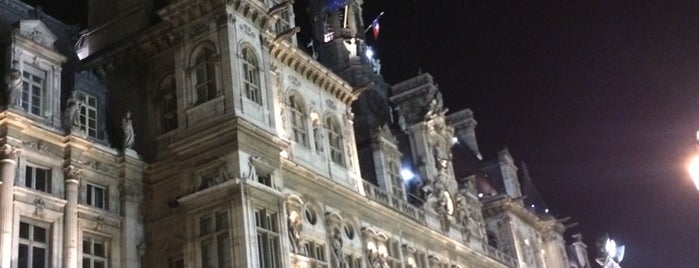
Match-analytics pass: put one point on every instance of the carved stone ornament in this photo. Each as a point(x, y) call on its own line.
point(294, 81)
point(247, 30)
point(9, 152)
point(331, 104)
point(198, 29)
point(72, 173)
point(103, 168)
point(39, 206)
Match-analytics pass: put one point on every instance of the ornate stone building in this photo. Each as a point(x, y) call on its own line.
point(197, 133)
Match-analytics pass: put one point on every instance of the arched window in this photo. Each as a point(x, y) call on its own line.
point(492, 239)
point(251, 76)
point(205, 74)
point(298, 120)
point(335, 140)
point(167, 104)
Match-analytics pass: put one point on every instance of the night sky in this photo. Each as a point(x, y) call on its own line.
point(600, 98)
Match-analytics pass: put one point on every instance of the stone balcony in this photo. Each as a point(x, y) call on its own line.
point(379, 195)
point(397, 203)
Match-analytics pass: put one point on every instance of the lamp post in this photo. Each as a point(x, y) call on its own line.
point(693, 166)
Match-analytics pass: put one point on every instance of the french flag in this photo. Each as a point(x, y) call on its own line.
point(336, 4)
point(375, 28)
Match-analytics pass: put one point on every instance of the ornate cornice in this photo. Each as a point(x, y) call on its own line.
point(303, 64)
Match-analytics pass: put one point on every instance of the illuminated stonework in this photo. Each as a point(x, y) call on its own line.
point(241, 149)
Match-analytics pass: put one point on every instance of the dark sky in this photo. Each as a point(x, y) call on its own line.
point(600, 98)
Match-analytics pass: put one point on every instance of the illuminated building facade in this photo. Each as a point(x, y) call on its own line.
point(199, 134)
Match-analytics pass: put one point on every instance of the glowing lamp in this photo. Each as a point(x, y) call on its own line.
point(693, 169)
point(406, 174)
point(369, 53)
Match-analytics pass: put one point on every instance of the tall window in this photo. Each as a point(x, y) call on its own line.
point(335, 140)
point(33, 90)
point(298, 120)
point(33, 246)
point(251, 76)
point(37, 178)
point(96, 196)
point(393, 258)
point(394, 176)
point(316, 251)
point(94, 253)
point(167, 104)
point(214, 240)
point(284, 22)
point(267, 238)
point(352, 262)
point(88, 114)
point(205, 74)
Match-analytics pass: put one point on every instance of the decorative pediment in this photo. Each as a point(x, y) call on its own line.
point(38, 32)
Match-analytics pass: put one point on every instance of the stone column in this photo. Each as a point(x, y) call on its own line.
point(8, 166)
point(130, 196)
point(70, 219)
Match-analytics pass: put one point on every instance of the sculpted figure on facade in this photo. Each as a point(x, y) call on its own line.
point(71, 115)
point(127, 127)
point(295, 228)
point(14, 85)
point(318, 135)
point(337, 245)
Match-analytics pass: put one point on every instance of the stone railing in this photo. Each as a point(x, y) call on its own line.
point(399, 204)
point(499, 255)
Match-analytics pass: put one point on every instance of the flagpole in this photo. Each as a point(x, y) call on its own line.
point(372, 22)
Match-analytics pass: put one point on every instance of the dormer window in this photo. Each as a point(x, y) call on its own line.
point(87, 121)
point(33, 90)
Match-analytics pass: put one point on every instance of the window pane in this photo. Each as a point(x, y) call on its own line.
point(99, 197)
point(90, 189)
point(208, 254)
point(86, 263)
point(221, 220)
point(224, 249)
point(38, 257)
point(99, 264)
point(23, 230)
point(206, 225)
point(87, 247)
point(23, 256)
point(28, 176)
point(99, 249)
point(39, 234)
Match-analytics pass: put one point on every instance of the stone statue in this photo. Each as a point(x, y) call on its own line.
point(337, 248)
point(318, 136)
point(14, 86)
point(295, 228)
point(71, 115)
point(127, 126)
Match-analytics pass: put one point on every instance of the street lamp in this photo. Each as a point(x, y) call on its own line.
point(693, 166)
point(613, 254)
